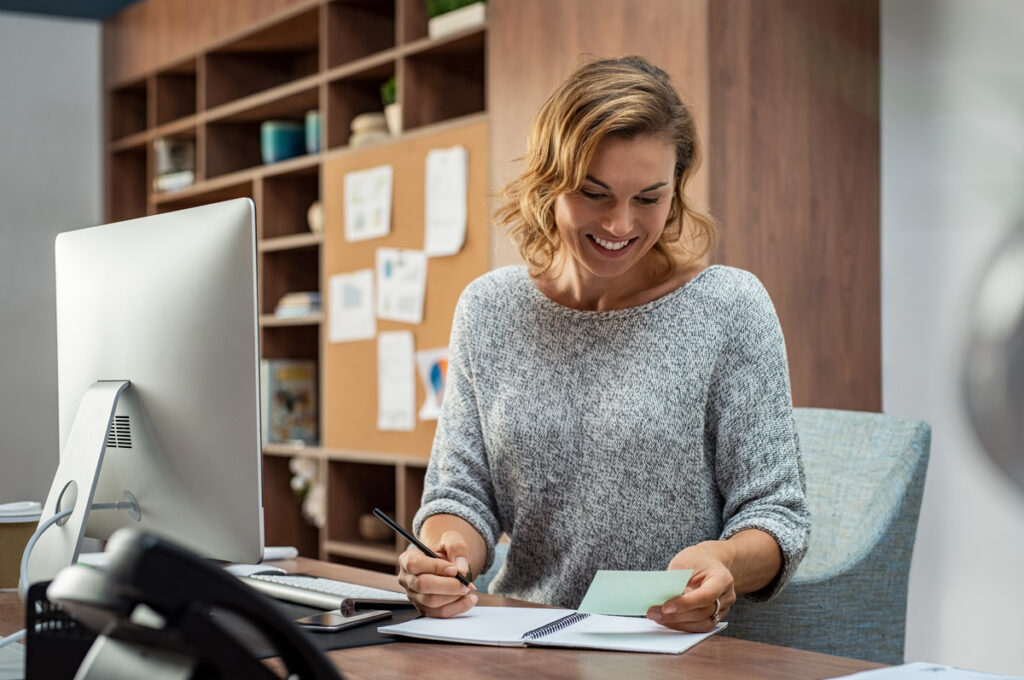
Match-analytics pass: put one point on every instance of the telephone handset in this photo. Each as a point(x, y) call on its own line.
point(152, 611)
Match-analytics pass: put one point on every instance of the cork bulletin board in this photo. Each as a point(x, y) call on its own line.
point(349, 373)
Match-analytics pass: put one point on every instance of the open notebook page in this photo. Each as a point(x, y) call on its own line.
point(503, 626)
point(623, 634)
point(507, 626)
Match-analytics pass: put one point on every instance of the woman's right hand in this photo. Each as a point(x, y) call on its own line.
point(431, 583)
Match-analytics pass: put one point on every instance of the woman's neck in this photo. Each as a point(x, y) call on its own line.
point(571, 286)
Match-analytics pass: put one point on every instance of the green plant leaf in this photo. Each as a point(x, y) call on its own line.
point(388, 91)
point(438, 7)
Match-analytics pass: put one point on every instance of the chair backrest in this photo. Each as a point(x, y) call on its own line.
point(865, 477)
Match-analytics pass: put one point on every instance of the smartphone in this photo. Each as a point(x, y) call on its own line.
point(333, 621)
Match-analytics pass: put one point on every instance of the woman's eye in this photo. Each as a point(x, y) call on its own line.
point(646, 200)
point(591, 194)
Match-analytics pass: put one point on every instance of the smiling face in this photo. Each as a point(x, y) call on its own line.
point(610, 224)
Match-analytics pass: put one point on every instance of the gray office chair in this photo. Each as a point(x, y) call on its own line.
point(865, 477)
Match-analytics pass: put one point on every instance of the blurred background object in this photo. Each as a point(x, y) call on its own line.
point(993, 372)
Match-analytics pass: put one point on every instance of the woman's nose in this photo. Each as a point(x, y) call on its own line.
point(618, 220)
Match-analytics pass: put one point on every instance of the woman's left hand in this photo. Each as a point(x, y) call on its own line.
point(709, 594)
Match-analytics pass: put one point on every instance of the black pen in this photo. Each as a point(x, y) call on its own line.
point(415, 541)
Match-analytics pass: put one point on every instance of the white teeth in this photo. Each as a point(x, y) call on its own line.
point(612, 245)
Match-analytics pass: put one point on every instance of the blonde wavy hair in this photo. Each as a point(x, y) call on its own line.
point(626, 97)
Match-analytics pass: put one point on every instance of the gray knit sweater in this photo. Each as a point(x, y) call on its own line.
point(613, 440)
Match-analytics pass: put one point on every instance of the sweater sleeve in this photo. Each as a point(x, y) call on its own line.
point(750, 424)
point(458, 480)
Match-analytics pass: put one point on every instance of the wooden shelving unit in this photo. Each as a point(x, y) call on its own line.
point(325, 55)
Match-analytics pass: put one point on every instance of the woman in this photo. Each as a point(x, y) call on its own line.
point(618, 404)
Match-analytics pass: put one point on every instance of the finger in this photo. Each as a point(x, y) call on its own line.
point(453, 544)
point(430, 584)
point(678, 610)
point(703, 596)
point(415, 562)
point(698, 619)
point(702, 626)
point(436, 601)
point(461, 605)
point(450, 609)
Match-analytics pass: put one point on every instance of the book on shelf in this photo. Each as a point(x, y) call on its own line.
point(174, 163)
point(293, 305)
point(174, 181)
point(288, 401)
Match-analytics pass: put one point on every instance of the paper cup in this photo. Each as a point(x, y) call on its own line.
point(18, 522)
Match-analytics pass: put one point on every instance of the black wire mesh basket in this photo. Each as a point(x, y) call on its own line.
point(56, 643)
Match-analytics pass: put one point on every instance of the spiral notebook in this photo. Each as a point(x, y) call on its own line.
point(525, 626)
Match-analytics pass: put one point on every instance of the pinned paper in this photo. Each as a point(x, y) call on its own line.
point(445, 208)
point(350, 307)
point(368, 203)
point(632, 593)
point(396, 381)
point(433, 369)
point(401, 284)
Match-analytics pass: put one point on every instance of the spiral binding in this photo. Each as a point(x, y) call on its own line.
point(554, 626)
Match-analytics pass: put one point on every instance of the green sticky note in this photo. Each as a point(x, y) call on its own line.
point(632, 593)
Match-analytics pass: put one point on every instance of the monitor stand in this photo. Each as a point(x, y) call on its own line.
point(74, 485)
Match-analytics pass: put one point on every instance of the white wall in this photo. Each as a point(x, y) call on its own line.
point(50, 181)
point(952, 185)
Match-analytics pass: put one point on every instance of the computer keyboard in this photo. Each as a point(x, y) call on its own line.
point(314, 591)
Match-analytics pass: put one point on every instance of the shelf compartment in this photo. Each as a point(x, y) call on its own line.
point(232, 147)
point(175, 91)
point(128, 172)
point(233, 140)
point(410, 482)
point(279, 54)
point(287, 271)
point(283, 523)
point(286, 202)
point(291, 101)
point(444, 78)
point(352, 95)
point(290, 342)
point(355, 489)
point(128, 110)
point(357, 29)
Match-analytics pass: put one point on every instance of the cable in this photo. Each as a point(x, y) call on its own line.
point(11, 638)
point(23, 582)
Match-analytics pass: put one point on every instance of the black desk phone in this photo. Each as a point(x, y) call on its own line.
point(159, 610)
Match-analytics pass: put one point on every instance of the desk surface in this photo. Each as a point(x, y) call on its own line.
point(717, 658)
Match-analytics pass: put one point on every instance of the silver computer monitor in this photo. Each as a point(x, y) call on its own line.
point(158, 384)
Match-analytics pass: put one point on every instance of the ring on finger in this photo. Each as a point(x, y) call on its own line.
point(718, 607)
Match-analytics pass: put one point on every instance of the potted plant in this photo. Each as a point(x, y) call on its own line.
point(392, 109)
point(449, 16)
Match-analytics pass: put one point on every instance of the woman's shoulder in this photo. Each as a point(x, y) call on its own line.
point(729, 286)
point(504, 283)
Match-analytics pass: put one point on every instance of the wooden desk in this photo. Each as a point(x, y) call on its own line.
point(717, 658)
